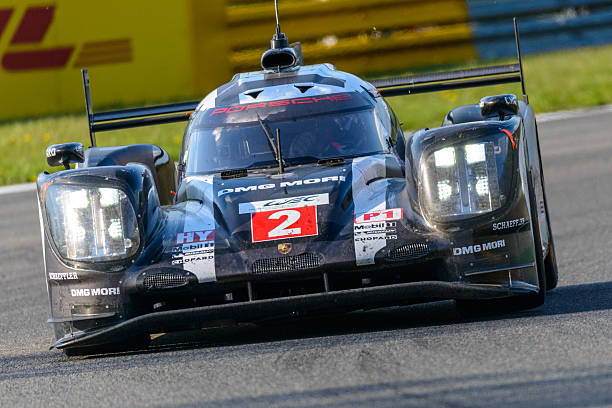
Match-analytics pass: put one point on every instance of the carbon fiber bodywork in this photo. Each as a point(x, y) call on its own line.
point(200, 257)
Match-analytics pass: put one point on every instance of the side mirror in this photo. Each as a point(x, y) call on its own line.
point(64, 154)
point(502, 105)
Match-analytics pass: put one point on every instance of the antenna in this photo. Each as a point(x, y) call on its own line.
point(279, 40)
point(280, 56)
point(518, 52)
point(278, 31)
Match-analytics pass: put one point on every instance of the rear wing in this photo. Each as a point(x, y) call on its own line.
point(406, 85)
point(129, 118)
point(466, 78)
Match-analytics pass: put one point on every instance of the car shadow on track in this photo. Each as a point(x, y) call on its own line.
point(438, 316)
point(563, 300)
point(563, 388)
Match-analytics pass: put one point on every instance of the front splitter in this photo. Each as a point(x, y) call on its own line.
point(351, 299)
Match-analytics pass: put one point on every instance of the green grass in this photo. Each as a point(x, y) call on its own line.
point(555, 81)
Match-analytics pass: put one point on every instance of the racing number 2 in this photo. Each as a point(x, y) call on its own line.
point(282, 224)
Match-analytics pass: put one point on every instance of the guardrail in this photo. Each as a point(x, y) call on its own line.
point(546, 25)
point(369, 36)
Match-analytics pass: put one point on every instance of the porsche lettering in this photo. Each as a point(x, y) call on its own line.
point(284, 102)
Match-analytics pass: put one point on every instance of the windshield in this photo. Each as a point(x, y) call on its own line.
point(325, 128)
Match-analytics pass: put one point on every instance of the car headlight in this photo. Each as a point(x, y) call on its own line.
point(466, 178)
point(90, 223)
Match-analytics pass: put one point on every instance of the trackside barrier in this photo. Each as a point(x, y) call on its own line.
point(138, 52)
point(152, 51)
point(371, 36)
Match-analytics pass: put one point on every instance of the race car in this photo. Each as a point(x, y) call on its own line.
point(296, 193)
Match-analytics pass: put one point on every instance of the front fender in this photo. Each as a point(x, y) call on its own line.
point(87, 295)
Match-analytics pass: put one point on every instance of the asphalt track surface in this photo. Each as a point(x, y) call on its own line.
point(558, 355)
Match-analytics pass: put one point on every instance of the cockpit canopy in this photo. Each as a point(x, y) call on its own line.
point(311, 128)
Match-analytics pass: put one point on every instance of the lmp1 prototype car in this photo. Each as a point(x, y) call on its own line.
point(296, 192)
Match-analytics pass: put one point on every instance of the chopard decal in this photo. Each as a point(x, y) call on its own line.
point(473, 249)
point(254, 187)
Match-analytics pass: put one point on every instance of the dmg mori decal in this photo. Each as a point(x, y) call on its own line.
point(26, 51)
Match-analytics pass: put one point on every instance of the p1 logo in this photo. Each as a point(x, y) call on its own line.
point(285, 223)
point(391, 214)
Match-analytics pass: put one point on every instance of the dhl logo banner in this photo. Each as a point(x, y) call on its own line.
point(137, 52)
point(33, 28)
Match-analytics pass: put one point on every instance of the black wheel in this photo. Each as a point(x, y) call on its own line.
point(136, 343)
point(516, 303)
point(550, 264)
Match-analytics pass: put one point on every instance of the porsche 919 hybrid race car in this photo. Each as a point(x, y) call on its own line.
point(296, 192)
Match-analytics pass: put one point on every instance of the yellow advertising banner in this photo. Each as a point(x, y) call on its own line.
point(136, 51)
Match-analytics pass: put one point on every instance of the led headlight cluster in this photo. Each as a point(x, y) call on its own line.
point(91, 223)
point(461, 180)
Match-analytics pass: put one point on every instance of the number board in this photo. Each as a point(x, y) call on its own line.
point(285, 223)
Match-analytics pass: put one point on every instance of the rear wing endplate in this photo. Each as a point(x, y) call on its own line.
point(407, 85)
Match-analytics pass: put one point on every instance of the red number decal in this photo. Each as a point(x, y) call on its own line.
point(282, 224)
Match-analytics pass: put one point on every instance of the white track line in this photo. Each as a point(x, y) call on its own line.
point(18, 188)
point(542, 118)
point(573, 114)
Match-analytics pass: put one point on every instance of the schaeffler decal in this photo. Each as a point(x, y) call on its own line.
point(474, 249)
point(508, 224)
point(284, 218)
point(196, 244)
point(283, 184)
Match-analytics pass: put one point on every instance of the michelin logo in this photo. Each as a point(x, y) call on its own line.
point(474, 249)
